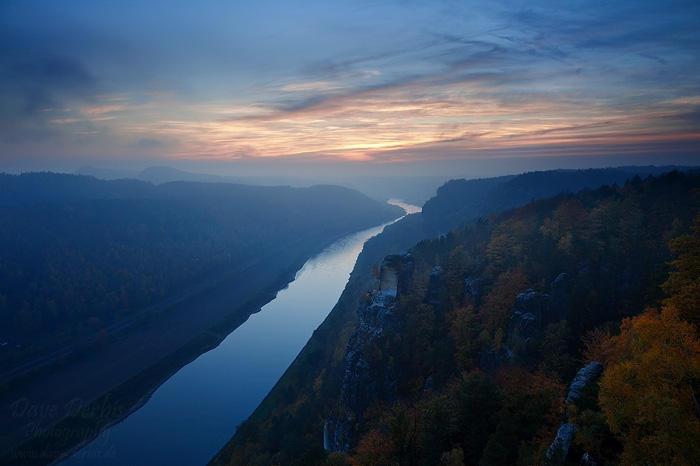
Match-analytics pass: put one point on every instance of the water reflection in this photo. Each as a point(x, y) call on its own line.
point(190, 417)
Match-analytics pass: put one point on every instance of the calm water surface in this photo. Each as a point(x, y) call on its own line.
point(196, 411)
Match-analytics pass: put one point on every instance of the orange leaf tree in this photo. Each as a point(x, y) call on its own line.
point(648, 390)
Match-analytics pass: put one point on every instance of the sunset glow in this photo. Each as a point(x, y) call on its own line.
point(396, 82)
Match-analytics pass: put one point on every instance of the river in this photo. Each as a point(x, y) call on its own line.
point(196, 411)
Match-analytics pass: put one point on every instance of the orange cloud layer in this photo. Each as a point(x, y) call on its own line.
point(362, 125)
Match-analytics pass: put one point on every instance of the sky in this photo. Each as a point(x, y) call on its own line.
point(385, 83)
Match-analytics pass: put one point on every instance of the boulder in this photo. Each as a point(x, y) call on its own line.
point(559, 448)
point(584, 376)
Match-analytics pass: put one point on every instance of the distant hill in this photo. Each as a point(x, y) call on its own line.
point(458, 202)
point(165, 174)
point(412, 189)
point(107, 173)
point(462, 200)
point(80, 253)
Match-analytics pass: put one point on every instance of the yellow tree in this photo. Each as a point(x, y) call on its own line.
point(648, 390)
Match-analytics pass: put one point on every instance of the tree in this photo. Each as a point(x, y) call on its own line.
point(555, 355)
point(528, 419)
point(498, 304)
point(598, 345)
point(477, 401)
point(648, 391)
point(393, 442)
point(464, 332)
point(683, 284)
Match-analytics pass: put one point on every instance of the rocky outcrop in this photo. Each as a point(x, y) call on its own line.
point(557, 451)
point(528, 311)
point(533, 310)
point(395, 274)
point(365, 382)
point(583, 377)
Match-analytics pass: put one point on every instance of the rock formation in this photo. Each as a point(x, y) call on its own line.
point(585, 375)
point(533, 311)
point(365, 383)
point(557, 451)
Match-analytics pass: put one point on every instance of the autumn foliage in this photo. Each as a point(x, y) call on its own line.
point(648, 390)
point(468, 391)
point(683, 283)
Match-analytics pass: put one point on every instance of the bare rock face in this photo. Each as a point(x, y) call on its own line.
point(366, 382)
point(526, 320)
point(335, 435)
point(395, 274)
point(559, 448)
point(583, 377)
point(531, 302)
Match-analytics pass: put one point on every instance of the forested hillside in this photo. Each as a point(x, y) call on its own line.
point(79, 254)
point(461, 201)
point(471, 362)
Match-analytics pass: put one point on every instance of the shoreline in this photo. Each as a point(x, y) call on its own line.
point(136, 391)
point(147, 396)
point(263, 408)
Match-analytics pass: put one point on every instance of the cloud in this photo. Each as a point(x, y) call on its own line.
point(97, 110)
point(350, 80)
point(39, 90)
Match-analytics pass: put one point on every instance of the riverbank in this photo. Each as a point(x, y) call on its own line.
point(84, 421)
point(318, 366)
